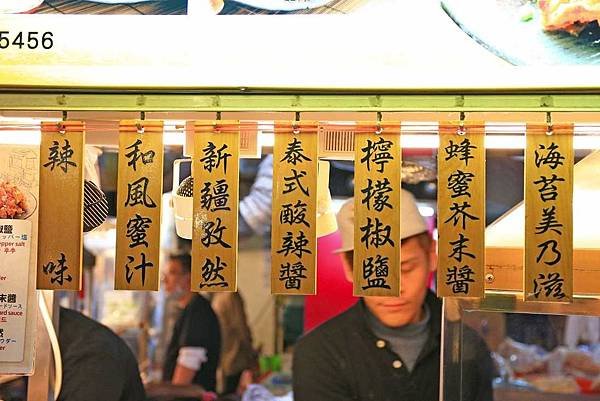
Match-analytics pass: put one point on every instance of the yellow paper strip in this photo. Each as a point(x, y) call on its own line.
point(60, 229)
point(461, 210)
point(139, 196)
point(377, 194)
point(548, 272)
point(294, 219)
point(216, 185)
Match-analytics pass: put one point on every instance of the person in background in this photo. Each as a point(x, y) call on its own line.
point(97, 364)
point(238, 357)
point(388, 348)
point(193, 352)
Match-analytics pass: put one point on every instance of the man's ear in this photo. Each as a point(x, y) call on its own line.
point(346, 264)
point(433, 255)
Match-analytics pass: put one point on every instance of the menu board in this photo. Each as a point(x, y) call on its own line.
point(19, 182)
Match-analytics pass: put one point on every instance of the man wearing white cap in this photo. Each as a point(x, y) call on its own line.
point(387, 348)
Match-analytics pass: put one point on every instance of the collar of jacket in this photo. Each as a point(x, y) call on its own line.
point(435, 323)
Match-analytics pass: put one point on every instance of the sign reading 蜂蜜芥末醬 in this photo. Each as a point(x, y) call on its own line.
point(461, 210)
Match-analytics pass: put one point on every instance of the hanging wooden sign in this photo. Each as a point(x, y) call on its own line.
point(139, 196)
point(60, 248)
point(548, 272)
point(294, 219)
point(377, 194)
point(215, 166)
point(461, 210)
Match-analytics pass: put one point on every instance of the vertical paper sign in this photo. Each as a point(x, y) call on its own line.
point(294, 219)
point(15, 245)
point(216, 165)
point(60, 227)
point(377, 194)
point(139, 195)
point(461, 210)
point(548, 272)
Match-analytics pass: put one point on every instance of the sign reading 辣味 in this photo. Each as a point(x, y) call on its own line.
point(60, 248)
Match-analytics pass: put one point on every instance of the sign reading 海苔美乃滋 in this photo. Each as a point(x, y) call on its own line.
point(215, 168)
point(377, 194)
point(548, 269)
point(461, 210)
point(60, 248)
point(294, 218)
point(139, 197)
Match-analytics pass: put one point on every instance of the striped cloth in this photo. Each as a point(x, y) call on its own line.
point(95, 206)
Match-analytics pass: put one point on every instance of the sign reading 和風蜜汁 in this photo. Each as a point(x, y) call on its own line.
point(139, 197)
point(548, 271)
point(461, 210)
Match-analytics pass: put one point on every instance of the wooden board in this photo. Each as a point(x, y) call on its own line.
point(548, 262)
point(294, 218)
point(60, 230)
point(215, 169)
point(461, 210)
point(377, 194)
point(139, 196)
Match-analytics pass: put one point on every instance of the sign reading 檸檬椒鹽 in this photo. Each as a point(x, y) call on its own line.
point(377, 194)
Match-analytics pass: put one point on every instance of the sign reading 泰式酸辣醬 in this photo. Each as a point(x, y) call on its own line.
point(139, 197)
point(461, 210)
point(377, 194)
point(548, 270)
point(294, 218)
point(60, 248)
point(215, 168)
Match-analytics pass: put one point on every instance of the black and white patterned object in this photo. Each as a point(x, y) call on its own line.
point(186, 188)
point(95, 206)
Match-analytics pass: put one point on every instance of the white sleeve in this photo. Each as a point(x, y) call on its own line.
point(192, 357)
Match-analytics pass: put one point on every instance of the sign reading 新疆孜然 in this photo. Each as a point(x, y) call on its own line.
point(215, 167)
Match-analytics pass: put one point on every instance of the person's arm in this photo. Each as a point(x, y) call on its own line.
point(199, 335)
point(183, 375)
point(318, 373)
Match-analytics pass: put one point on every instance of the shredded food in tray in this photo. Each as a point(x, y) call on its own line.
point(571, 16)
point(12, 201)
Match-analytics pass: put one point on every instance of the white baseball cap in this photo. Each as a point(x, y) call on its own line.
point(411, 221)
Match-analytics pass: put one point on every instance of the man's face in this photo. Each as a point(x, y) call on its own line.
point(175, 278)
point(417, 264)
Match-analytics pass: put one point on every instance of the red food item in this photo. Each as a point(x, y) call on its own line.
point(12, 201)
point(568, 15)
